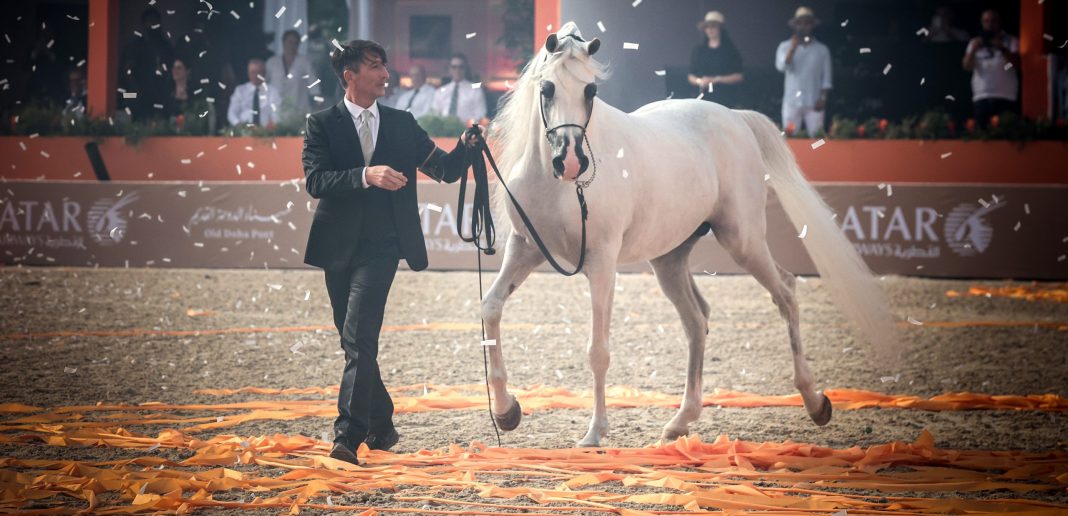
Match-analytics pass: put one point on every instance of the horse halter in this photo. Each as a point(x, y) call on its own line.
point(548, 90)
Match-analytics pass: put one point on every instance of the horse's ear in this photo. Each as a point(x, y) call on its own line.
point(593, 46)
point(551, 43)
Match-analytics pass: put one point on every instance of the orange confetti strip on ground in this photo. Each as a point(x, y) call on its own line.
point(687, 474)
point(1057, 292)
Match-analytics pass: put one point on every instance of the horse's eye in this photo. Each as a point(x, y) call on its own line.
point(547, 89)
point(590, 91)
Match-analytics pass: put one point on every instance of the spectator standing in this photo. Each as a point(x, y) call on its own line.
point(715, 64)
point(993, 58)
point(290, 74)
point(942, 28)
point(459, 98)
point(145, 62)
point(806, 64)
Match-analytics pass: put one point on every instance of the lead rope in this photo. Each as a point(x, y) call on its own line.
point(482, 228)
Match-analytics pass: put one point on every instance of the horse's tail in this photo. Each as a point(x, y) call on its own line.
point(853, 288)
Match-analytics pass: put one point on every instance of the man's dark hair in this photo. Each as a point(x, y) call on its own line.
point(352, 54)
point(289, 33)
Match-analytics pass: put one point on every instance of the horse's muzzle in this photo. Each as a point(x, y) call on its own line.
point(566, 168)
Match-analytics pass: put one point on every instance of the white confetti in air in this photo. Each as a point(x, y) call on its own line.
point(922, 32)
point(235, 15)
point(846, 22)
point(804, 231)
point(280, 11)
point(946, 155)
point(635, 3)
point(298, 22)
point(45, 154)
point(129, 94)
point(922, 80)
point(630, 46)
point(951, 98)
point(433, 207)
point(1027, 208)
point(912, 320)
point(865, 50)
point(186, 161)
point(1047, 37)
point(476, 85)
point(336, 44)
point(1017, 226)
point(471, 35)
point(600, 25)
point(660, 72)
point(620, 153)
point(818, 143)
point(489, 342)
point(625, 174)
point(312, 85)
point(886, 69)
point(889, 190)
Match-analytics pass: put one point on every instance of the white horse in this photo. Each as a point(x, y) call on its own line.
point(688, 166)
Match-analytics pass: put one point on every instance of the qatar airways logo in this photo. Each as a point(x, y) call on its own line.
point(911, 233)
point(967, 231)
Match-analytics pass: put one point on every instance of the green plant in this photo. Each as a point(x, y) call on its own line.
point(442, 126)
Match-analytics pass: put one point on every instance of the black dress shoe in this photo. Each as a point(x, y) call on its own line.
point(344, 453)
point(383, 442)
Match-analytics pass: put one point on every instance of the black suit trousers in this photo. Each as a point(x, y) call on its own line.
point(358, 297)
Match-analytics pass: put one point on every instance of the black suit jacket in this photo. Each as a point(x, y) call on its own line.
point(333, 171)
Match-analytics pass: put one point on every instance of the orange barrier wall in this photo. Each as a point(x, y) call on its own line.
point(278, 159)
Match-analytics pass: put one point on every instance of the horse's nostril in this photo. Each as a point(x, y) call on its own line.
point(558, 163)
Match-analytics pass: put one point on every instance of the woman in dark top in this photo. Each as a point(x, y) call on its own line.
point(715, 64)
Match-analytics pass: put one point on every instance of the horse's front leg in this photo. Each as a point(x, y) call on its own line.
point(520, 258)
point(601, 272)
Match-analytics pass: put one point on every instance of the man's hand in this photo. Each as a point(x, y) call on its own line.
point(470, 140)
point(795, 41)
point(385, 177)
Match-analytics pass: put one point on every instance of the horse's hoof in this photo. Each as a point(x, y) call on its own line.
point(671, 434)
point(824, 415)
point(509, 420)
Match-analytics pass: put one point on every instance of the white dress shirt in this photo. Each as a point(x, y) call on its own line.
point(292, 87)
point(992, 77)
point(240, 111)
point(470, 104)
point(421, 100)
point(355, 111)
point(807, 75)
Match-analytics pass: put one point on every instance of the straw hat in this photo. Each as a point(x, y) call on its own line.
point(803, 12)
point(710, 18)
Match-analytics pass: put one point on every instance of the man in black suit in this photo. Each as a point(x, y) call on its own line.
point(360, 160)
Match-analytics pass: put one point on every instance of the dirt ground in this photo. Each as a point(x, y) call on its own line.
point(546, 330)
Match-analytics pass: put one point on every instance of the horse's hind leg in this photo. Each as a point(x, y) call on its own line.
point(520, 258)
point(673, 273)
point(748, 245)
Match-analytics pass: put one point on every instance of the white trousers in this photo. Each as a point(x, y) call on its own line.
point(806, 115)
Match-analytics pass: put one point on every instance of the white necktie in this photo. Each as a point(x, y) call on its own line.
point(366, 141)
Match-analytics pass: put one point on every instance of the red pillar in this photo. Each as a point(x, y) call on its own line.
point(1034, 66)
point(103, 56)
point(546, 12)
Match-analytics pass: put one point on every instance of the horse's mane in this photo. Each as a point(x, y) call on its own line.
point(511, 128)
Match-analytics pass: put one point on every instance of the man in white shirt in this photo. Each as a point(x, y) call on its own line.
point(807, 65)
point(253, 102)
point(418, 99)
point(290, 74)
point(993, 59)
point(460, 98)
